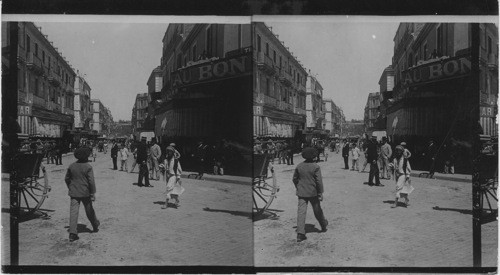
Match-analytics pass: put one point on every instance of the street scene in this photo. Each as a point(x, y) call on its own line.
point(127, 144)
point(379, 127)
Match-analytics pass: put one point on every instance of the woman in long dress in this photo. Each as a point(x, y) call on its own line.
point(173, 173)
point(402, 169)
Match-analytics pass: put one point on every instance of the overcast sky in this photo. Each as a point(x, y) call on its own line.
point(347, 58)
point(116, 58)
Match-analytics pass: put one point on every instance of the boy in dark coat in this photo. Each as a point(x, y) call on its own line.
point(80, 181)
point(309, 184)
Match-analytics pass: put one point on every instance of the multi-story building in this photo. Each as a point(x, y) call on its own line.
point(139, 113)
point(279, 95)
point(433, 87)
point(207, 80)
point(45, 82)
point(83, 104)
point(328, 123)
point(101, 118)
point(314, 103)
point(155, 84)
point(386, 85)
point(338, 120)
point(372, 111)
point(121, 129)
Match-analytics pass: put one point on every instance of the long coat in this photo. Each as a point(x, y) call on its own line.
point(308, 180)
point(80, 180)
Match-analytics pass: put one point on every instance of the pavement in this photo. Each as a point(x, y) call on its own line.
point(212, 226)
point(435, 230)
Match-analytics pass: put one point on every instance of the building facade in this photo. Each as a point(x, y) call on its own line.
point(82, 104)
point(279, 95)
point(328, 122)
point(45, 82)
point(101, 118)
point(155, 84)
point(372, 111)
point(206, 94)
point(139, 113)
point(432, 63)
point(314, 103)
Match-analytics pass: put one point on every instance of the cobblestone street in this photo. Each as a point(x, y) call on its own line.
point(212, 226)
point(434, 231)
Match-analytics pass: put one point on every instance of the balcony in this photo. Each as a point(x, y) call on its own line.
point(34, 63)
point(265, 63)
point(38, 101)
point(53, 78)
point(284, 106)
point(270, 101)
point(492, 61)
point(285, 78)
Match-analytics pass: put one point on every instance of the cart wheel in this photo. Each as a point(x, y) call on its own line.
point(264, 191)
point(32, 193)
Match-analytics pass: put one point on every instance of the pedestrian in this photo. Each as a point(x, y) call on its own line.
point(289, 154)
point(142, 158)
point(355, 153)
point(105, 146)
point(386, 154)
point(114, 154)
point(365, 153)
point(372, 159)
point(200, 157)
point(59, 152)
point(309, 185)
point(124, 158)
point(257, 147)
point(431, 158)
point(155, 157)
point(271, 150)
point(402, 171)
point(94, 152)
point(345, 154)
point(81, 188)
point(173, 179)
point(134, 161)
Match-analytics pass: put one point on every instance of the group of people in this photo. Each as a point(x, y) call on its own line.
point(51, 150)
point(281, 150)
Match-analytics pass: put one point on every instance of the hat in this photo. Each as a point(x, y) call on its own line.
point(82, 153)
point(172, 144)
point(399, 148)
point(403, 143)
point(309, 153)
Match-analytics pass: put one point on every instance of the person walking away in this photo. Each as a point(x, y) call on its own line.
point(431, 158)
point(289, 153)
point(155, 157)
point(345, 154)
point(124, 158)
point(402, 171)
point(386, 153)
point(114, 154)
point(81, 189)
point(173, 179)
point(142, 159)
point(309, 185)
point(355, 153)
point(372, 159)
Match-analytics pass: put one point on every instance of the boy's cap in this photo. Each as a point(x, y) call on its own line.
point(309, 153)
point(82, 153)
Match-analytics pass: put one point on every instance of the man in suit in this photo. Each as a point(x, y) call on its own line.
point(372, 155)
point(142, 160)
point(155, 157)
point(386, 153)
point(114, 154)
point(345, 154)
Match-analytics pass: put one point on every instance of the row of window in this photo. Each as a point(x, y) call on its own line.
point(51, 64)
point(273, 89)
point(40, 88)
point(296, 75)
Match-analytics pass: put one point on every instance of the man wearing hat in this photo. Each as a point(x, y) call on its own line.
point(386, 153)
point(114, 154)
point(309, 184)
point(372, 156)
point(345, 154)
point(142, 158)
point(81, 188)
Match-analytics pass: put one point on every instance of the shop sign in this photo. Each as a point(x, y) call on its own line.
point(487, 111)
point(219, 69)
point(436, 71)
point(24, 110)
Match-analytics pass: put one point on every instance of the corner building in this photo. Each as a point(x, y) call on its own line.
point(279, 87)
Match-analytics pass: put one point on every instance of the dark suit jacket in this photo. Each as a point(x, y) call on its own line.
point(114, 151)
point(80, 180)
point(142, 152)
point(308, 180)
point(345, 150)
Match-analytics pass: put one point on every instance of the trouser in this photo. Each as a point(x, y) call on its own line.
point(124, 165)
point(302, 211)
point(143, 173)
point(365, 163)
point(155, 169)
point(115, 166)
point(374, 172)
point(355, 165)
point(346, 162)
point(282, 157)
point(59, 159)
point(73, 213)
point(289, 159)
point(432, 168)
point(385, 168)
